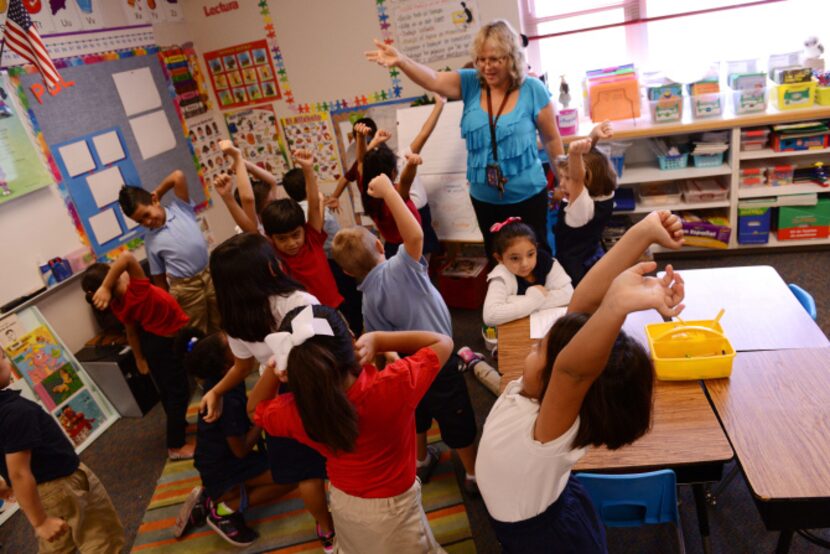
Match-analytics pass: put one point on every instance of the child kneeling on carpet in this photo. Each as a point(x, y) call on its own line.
point(234, 473)
point(361, 419)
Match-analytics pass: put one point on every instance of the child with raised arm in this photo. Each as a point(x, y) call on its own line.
point(586, 383)
point(176, 249)
point(151, 318)
point(359, 418)
point(65, 503)
point(526, 278)
point(298, 242)
point(246, 202)
point(399, 296)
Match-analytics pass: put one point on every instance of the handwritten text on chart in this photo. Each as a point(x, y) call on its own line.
point(435, 30)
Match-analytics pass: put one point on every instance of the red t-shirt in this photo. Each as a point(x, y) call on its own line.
point(310, 267)
point(382, 463)
point(151, 307)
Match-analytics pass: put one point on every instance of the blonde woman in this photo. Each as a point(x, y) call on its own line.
point(501, 101)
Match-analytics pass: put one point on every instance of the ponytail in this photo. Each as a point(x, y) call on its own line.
point(203, 356)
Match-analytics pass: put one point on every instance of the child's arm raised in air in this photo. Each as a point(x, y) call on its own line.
point(125, 262)
point(409, 228)
point(663, 228)
point(601, 131)
point(176, 181)
point(361, 131)
point(576, 167)
point(428, 127)
point(261, 174)
point(211, 404)
point(223, 185)
point(47, 528)
point(243, 186)
point(584, 358)
point(305, 159)
point(408, 173)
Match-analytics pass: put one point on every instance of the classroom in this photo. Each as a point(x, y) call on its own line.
point(414, 276)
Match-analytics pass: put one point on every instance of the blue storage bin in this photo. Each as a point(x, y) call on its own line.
point(754, 225)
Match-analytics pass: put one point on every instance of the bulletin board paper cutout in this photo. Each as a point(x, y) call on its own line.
point(434, 30)
point(153, 134)
point(315, 132)
point(105, 186)
point(242, 75)
point(137, 90)
point(109, 147)
point(105, 226)
point(256, 132)
point(76, 158)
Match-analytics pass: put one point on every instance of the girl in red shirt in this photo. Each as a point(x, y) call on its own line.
point(151, 318)
point(361, 419)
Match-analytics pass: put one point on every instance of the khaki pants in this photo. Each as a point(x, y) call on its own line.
point(395, 525)
point(198, 300)
point(81, 500)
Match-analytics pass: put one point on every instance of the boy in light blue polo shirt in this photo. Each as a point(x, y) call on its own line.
point(398, 296)
point(176, 250)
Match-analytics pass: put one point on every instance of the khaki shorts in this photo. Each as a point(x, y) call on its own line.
point(383, 525)
point(198, 300)
point(81, 500)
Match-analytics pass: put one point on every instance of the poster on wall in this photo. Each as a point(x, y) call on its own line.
point(242, 75)
point(139, 12)
point(453, 216)
point(205, 135)
point(315, 132)
point(21, 167)
point(433, 30)
point(256, 133)
point(182, 69)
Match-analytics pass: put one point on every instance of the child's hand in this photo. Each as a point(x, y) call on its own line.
point(633, 291)
point(414, 159)
point(223, 185)
point(385, 55)
point(663, 228)
point(229, 149)
point(380, 186)
point(602, 131)
point(51, 529)
point(101, 298)
point(142, 365)
point(380, 137)
point(365, 348)
point(556, 197)
point(362, 129)
point(332, 203)
point(210, 406)
point(581, 146)
point(541, 288)
point(6, 492)
point(303, 158)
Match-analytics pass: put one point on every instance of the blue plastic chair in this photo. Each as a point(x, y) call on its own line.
point(805, 298)
point(632, 500)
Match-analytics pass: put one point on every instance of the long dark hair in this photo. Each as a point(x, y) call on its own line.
point(377, 161)
point(246, 274)
point(316, 372)
point(206, 358)
point(616, 409)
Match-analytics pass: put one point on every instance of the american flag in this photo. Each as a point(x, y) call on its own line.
point(22, 38)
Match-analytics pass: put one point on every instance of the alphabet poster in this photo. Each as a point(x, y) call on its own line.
point(314, 132)
point(434, 30)
point(242, 75)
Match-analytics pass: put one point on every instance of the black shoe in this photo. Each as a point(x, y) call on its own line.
point(425, 471)
point(232, 528)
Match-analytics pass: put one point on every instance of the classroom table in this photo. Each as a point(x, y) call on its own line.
point(775, 409)
point(685, 434)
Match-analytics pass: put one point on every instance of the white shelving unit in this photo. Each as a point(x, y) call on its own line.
point(786, 190)
point(677, 206)
point(638, 174)
point(769, 153)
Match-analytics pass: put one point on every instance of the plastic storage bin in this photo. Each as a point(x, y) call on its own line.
point(463, 283)
point(794, 96)
point(707, 105)
point(823, 96)
point(754, 225)
point(781, 175)
point(703, 190)
point(749, 100)
point(673, 162)
point(666, 110)
point(753, 176)
point(696, 350)
point(659, 194)
point(755, 139)
point(708, 160)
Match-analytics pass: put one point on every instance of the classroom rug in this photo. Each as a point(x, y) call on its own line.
point(284, 525)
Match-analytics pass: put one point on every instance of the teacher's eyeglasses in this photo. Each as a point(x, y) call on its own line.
point(496, 61)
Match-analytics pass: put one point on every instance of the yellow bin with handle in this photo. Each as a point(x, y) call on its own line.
point(690, 350)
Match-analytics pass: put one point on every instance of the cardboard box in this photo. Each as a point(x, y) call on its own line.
point(754, 225)
point(463, 283)
point(706, 232)
point(804, 222)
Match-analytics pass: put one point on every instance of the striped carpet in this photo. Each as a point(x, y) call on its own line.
point(284, 526)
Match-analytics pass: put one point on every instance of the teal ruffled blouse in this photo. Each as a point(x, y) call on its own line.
point(515, 137)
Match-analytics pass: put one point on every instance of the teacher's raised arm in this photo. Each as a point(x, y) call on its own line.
point(504, 110)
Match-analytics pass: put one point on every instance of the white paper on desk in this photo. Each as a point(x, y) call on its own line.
point(153, 134)
point(138, 90)
point(76, 158)
point(105, 185)
point(105, 226)
point(108, 147)
point(543, 320)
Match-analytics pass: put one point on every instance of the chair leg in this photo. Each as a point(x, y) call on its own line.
point(681, 542)
point(714, 492)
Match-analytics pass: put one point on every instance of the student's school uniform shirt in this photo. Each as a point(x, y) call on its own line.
point(330, 226)
point(150, 307)
point(177, 247)
point(518, 476)
point(26, 426)
point(578, 232)
point(399, 296)
point(310, 267)
point(280, 305)
point(382, 463)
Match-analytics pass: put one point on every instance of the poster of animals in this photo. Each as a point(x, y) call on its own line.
point(242, 75)
point(315, 132)
point(256, 133)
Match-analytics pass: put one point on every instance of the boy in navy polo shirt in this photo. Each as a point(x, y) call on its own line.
point(176, 250)
point(64, 501)
point(398, 296)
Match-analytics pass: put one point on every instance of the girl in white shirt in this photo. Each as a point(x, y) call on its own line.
point(586, 383)
point(526, 279)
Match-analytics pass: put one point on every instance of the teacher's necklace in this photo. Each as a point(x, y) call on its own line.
point(495, 178)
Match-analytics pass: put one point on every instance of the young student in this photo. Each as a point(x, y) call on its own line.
point(399, 296)
point(63, 500)
point(254, 295)
point(352, 174)
point(234, 474)
point(526, 278)
point(176, 249)
point(586, 383)
point(359, 418)
point(587, 181)
point(250, 197)
point(151, 319)
point(300, 243)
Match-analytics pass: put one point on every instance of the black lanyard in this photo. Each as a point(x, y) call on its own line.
point(494, 122)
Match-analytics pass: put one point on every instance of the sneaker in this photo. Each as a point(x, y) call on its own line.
point(327, 540)
point(232, 528)
point(425, 471)
point(185, 518)
point(471, 486)
point(184, 453)
point(468, 358)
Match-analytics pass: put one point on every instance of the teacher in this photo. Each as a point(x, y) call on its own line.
point(503, 110)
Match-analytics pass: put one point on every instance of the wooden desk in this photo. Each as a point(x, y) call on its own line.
point(775, 409)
